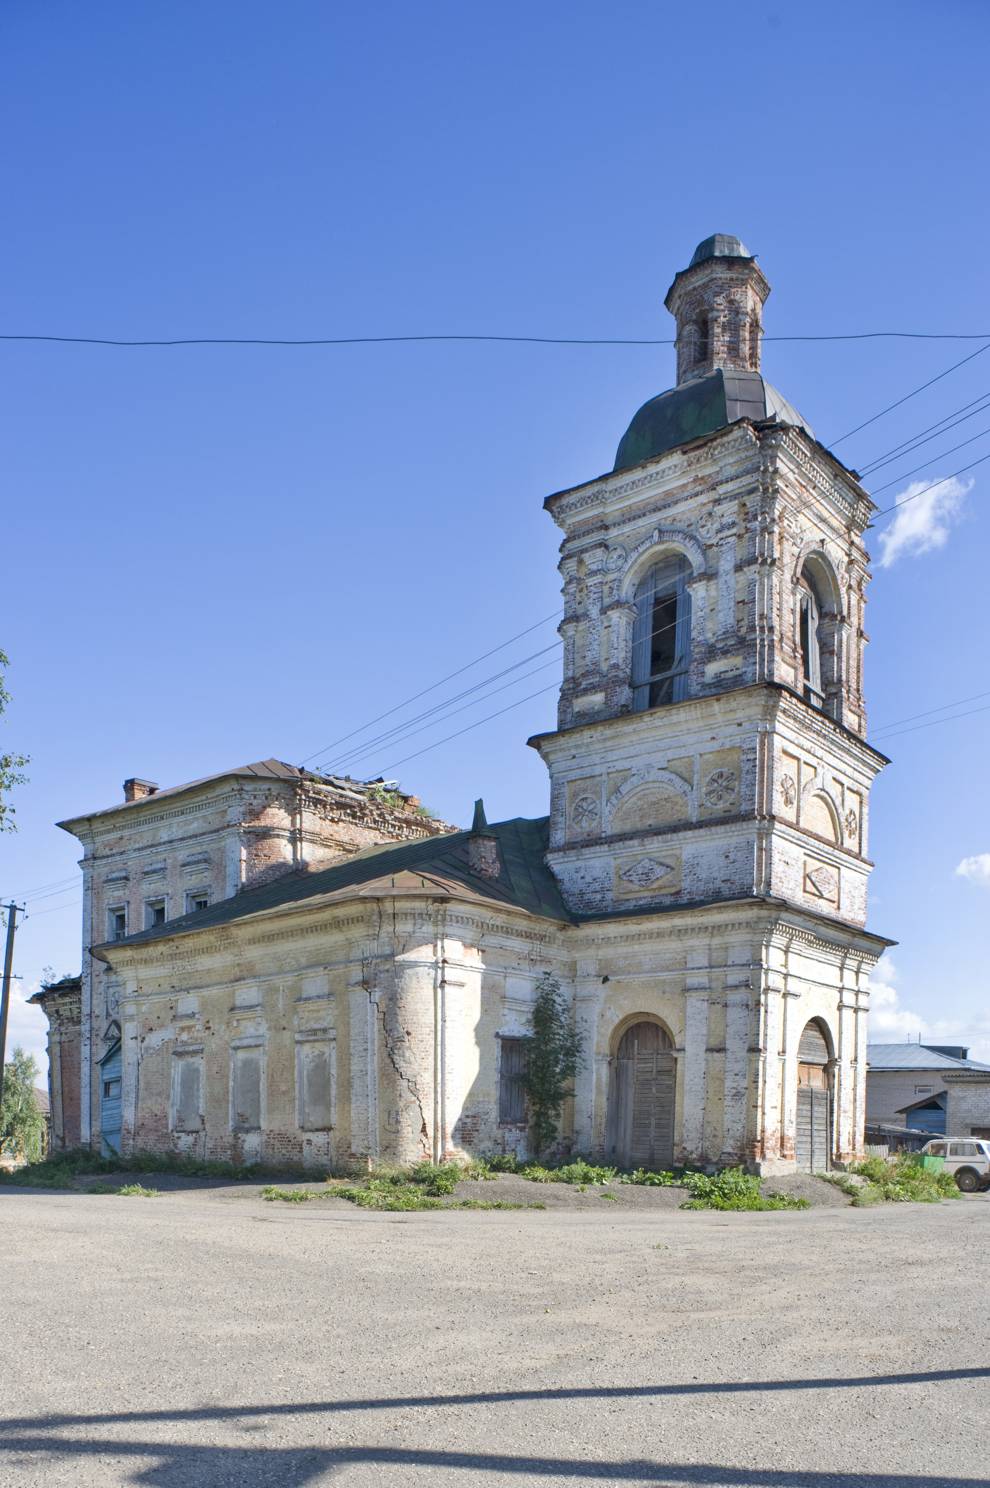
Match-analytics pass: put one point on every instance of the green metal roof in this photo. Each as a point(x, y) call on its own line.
point(436, 866)
point(719, 245)
point(702, 406)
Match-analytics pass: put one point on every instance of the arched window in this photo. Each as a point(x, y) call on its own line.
point(809, 642)
point(662, 634)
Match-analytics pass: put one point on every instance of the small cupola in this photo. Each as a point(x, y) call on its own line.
point(717, 302)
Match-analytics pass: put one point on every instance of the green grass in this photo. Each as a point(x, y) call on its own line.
point(62, 1169)
point(126, 1191)
point(647, 1178)
point(395, 1192)
point(736, 1190)
point(901, 1180)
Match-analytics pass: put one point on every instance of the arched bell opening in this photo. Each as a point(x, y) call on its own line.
point(639, 1129)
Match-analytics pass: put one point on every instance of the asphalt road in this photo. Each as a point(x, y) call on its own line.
point(209, 1338)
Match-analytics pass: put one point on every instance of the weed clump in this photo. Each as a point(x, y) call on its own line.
point(898, 1181)
point(734, 1189)
point(62, 1169)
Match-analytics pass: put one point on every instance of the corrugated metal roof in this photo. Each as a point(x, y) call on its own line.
point(914, 1057)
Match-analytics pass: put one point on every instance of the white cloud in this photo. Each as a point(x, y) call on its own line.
point(923, 522)
point(27, 1027)
point(976, 869)
point(893, 1023)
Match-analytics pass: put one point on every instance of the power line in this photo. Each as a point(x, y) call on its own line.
point(404, 734)
point(446, 740)
point(907, 396)
point(925, 463)
point(475, 337)
point(53, 909)
point(968, 714)
point(359, 750)
point(942, 426)
point(974, 697)
point(925, 489)
point(433, 686)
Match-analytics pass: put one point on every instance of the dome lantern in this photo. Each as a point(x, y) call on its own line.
point(717, 302)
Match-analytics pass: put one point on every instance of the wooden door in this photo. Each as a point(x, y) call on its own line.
point(111, 1106)
point(641, 1105)
point(812, 1134)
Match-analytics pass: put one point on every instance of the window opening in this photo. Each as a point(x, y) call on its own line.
point(117, 922)
point(809, 618)
point(701, 343)
point(111, 1089)
point(511, 1086)
point(154, 913)
point(199, 899)
point(662, 635)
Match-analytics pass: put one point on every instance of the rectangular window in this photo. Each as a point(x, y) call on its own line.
point(511, 1089)
point(314, 1084)
point(245, 1089)
point(923, 1089)
point(154, 913)
point(198, 899)
point(111, 1089)
point(187, 1092)
point(117, 922)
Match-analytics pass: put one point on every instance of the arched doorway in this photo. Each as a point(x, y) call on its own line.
point(640, 1116)
point(813, 1129)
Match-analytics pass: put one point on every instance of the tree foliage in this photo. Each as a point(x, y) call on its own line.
point(22, 1122)
point(553, 1058)
point(11, 765)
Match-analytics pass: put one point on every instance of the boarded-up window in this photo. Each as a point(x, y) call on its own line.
point(511, 1087)
point(187, 1093)
point(314, 1084)
point(245, 1089)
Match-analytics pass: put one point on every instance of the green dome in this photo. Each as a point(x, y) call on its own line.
point(700, 407)
point(719, 245)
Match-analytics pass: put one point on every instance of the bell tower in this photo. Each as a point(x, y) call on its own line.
point(717, 302)
point(710, 748)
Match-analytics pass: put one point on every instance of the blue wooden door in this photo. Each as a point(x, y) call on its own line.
point(111, 1105)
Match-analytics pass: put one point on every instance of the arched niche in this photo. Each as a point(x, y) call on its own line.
point(819, 815)
point(660, 799)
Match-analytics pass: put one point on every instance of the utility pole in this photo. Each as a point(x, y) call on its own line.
point(8, 967)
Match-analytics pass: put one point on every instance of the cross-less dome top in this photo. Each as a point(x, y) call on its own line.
point(719, 245)
point(700, 407)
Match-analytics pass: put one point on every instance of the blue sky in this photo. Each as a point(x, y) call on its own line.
point(213, 555)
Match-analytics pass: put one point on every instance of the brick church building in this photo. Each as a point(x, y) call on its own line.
point(284, 965)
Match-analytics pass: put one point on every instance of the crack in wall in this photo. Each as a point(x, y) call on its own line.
point(424, 1130)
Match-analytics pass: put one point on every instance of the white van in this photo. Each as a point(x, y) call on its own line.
point(967, 1159)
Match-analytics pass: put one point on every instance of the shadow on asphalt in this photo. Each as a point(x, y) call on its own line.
point(253, 1466)
point(287, 1467)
